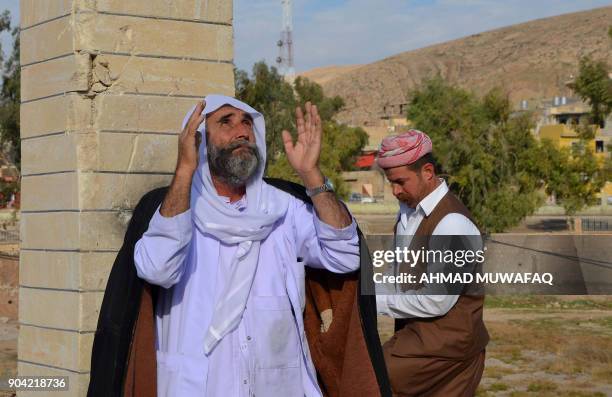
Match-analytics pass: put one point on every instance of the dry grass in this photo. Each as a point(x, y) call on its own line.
point(548, 346)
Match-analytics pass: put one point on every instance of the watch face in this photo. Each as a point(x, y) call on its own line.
point(329, 184)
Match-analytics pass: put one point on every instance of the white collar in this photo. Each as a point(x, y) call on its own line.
point(432, 199)
point(426, 205)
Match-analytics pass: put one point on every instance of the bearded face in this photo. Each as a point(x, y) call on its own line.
point(234, 163)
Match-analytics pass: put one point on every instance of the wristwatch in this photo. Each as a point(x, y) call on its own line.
point(327, 186)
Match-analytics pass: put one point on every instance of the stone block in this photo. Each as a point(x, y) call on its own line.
point(84, 271)
point(53, 153)
point(77, 382)
point(110, 191)
point(164, 38)
point(103, 230)
point(87, 231)
point(163, 76)
point(35, 11)
point(138, 152)
point(71, 112)
point(49, 40)
point(49, 192)
point(136, 113)
point(49, 269)
point(202, 10)
point(57, 76)
point(49, 308)
point(62, 349)
point(50, 230)
point(69, 310)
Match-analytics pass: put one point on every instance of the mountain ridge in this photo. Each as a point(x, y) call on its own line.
point(531, 61)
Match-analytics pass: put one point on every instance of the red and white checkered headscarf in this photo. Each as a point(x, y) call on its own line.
point(403, 149)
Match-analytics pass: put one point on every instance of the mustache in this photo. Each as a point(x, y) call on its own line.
point(229, 148)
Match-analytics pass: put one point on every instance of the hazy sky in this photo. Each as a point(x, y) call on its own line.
point(337, 32)
point(5, 38)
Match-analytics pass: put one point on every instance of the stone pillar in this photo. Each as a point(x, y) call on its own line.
point(104, 87)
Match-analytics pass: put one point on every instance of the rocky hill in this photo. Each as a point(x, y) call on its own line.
point(531, 61)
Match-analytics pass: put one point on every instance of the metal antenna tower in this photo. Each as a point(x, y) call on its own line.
point(285, 44)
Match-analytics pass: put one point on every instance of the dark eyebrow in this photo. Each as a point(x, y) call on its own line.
point(246, 116)
point(226, 117)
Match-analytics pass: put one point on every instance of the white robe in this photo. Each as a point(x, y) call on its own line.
point(267, 354)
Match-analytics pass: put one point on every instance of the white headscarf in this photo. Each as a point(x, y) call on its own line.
point(213, 216)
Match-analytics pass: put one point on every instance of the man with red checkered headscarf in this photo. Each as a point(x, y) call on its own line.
point(438, 348)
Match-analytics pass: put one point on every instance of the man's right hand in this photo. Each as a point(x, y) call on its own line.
point(188, 142)
point(177, 198)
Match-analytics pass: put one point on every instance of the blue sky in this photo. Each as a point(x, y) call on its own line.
point(340, 32)
point(5, 38)
point(337, 32)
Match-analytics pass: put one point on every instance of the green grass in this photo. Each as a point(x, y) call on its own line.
point(540, 386)
point(498, 387)
point(546, 302)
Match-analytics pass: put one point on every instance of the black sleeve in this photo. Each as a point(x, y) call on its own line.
point(120, 306)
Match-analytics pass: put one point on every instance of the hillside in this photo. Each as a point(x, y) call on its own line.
point(532, 61)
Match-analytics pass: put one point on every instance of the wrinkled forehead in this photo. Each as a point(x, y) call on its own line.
point(228, 110)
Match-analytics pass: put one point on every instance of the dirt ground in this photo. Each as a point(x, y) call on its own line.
point(8, 352)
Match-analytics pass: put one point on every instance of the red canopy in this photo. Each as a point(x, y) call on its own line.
point(366, 160)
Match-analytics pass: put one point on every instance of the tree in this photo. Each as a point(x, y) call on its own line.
point(490, 157)
point(594, 87)
point(573, 175)
point(276, 99)
point(10, 98)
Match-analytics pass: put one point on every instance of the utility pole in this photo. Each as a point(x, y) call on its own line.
point(285, 44)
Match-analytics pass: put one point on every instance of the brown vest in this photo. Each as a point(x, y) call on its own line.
point(460, 333)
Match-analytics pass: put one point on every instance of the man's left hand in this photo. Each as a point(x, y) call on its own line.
point(304, 154)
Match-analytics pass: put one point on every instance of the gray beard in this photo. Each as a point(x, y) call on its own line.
point(233, 169)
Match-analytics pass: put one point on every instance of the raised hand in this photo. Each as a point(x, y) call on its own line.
point(188, 141)
point(304, 154)
point(178, 195)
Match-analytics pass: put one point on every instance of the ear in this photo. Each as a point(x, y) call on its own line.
point(428, 171)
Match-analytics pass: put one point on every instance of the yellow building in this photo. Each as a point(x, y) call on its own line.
point(559, 126)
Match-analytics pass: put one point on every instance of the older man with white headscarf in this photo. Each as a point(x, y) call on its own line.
point(223, 245)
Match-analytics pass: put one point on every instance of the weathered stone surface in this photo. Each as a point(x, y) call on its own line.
point(36, 11)
point(51, 39)
point(64, 349)
point(95, 190)
point(85, 271)
point(57, 309)
point(54, 230)
point(136, 113)
point(70, 310)
point(165, 76)
point(70, 112)
point(103, 230)
point(167, 38)
point(137, 152)
point(116, 191)
point(88, 231)
point(202, 10)
point(99, 129)
point(77, 383)
point(50, 192)
point(54, 77)
point(54, 153)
